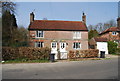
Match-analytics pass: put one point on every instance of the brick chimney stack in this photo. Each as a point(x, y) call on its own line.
point(31, 17)
point(84, 18)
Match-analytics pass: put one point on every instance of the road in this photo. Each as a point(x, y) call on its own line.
point(90, 69)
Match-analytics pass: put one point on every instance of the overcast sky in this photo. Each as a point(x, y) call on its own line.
point(71, 11)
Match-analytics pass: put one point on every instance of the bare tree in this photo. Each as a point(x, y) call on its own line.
point(103, 26)
point(99, 27)
point(112, 23)
point(90, 27)
point(7, 6)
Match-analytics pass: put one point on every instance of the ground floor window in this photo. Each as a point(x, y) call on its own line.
point(76, 45)
point(39, 44)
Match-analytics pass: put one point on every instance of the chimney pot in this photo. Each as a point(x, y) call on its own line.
point(84, 18)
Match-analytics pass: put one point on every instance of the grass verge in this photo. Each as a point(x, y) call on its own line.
point(115, 54)
point(26, 61)
point(83, 59)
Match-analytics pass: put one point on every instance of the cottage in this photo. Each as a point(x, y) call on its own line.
point(112, 33)
point(60, 36)
point(99, 43)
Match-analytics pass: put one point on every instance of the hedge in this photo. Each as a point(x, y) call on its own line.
point(118, 51)
point(29, 53)
point(112, 47)
point(90, 53)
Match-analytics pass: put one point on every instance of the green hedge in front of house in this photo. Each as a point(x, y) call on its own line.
point(112, 47)
point(27, 53)
point(118, 51)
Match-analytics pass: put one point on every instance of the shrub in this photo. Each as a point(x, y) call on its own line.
point(83, 53)
point(27, 53)
point(89, 53)
point(9, 53)
point(71, 54)
point(118, 51)
point(112, 47)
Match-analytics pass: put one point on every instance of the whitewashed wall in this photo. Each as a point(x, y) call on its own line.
point(102, 46)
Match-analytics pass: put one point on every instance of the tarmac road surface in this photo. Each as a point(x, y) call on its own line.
point(90, 69)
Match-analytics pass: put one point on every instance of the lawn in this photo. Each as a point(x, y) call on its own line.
point(26, 61)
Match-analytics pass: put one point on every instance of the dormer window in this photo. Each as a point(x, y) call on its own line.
point(114, 33)
point(39, 34)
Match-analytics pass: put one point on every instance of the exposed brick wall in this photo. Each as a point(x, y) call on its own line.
point(66, 36)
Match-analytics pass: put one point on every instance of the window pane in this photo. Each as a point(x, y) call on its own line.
point(73, 45)
point(38, 44)
point(76, 45)
point(63, 45)
point(41, 44)
point(39, 33)
point(53, 45)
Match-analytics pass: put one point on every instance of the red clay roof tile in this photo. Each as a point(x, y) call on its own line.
point(110, 29)
point(100, 39)
point(57, 25)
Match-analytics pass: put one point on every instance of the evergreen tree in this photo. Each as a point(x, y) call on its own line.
point(92, 33)
point(9, 25)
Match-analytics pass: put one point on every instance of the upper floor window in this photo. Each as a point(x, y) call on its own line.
point(76, 45)
point(39, 44)
point(76, 35)
point(114, 33)
point(39, 34)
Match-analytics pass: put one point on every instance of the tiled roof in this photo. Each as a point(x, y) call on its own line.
point(57, 25)
point(100, 39)
point(110, 29)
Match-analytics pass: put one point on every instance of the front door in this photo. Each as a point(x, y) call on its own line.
point(54, 48)
point(63, 52)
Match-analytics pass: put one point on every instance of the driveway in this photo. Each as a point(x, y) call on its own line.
point(89, 69)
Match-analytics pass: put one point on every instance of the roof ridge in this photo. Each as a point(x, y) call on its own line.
point(58, 25)
point(58, 20)
point(108, 29)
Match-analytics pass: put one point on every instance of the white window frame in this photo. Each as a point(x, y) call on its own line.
point(114, 33)
point(76, 46)
point(76, 35)
point(36, 44)
point(37, 32)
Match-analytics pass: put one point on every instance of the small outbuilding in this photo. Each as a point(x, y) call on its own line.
point(99, 43)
